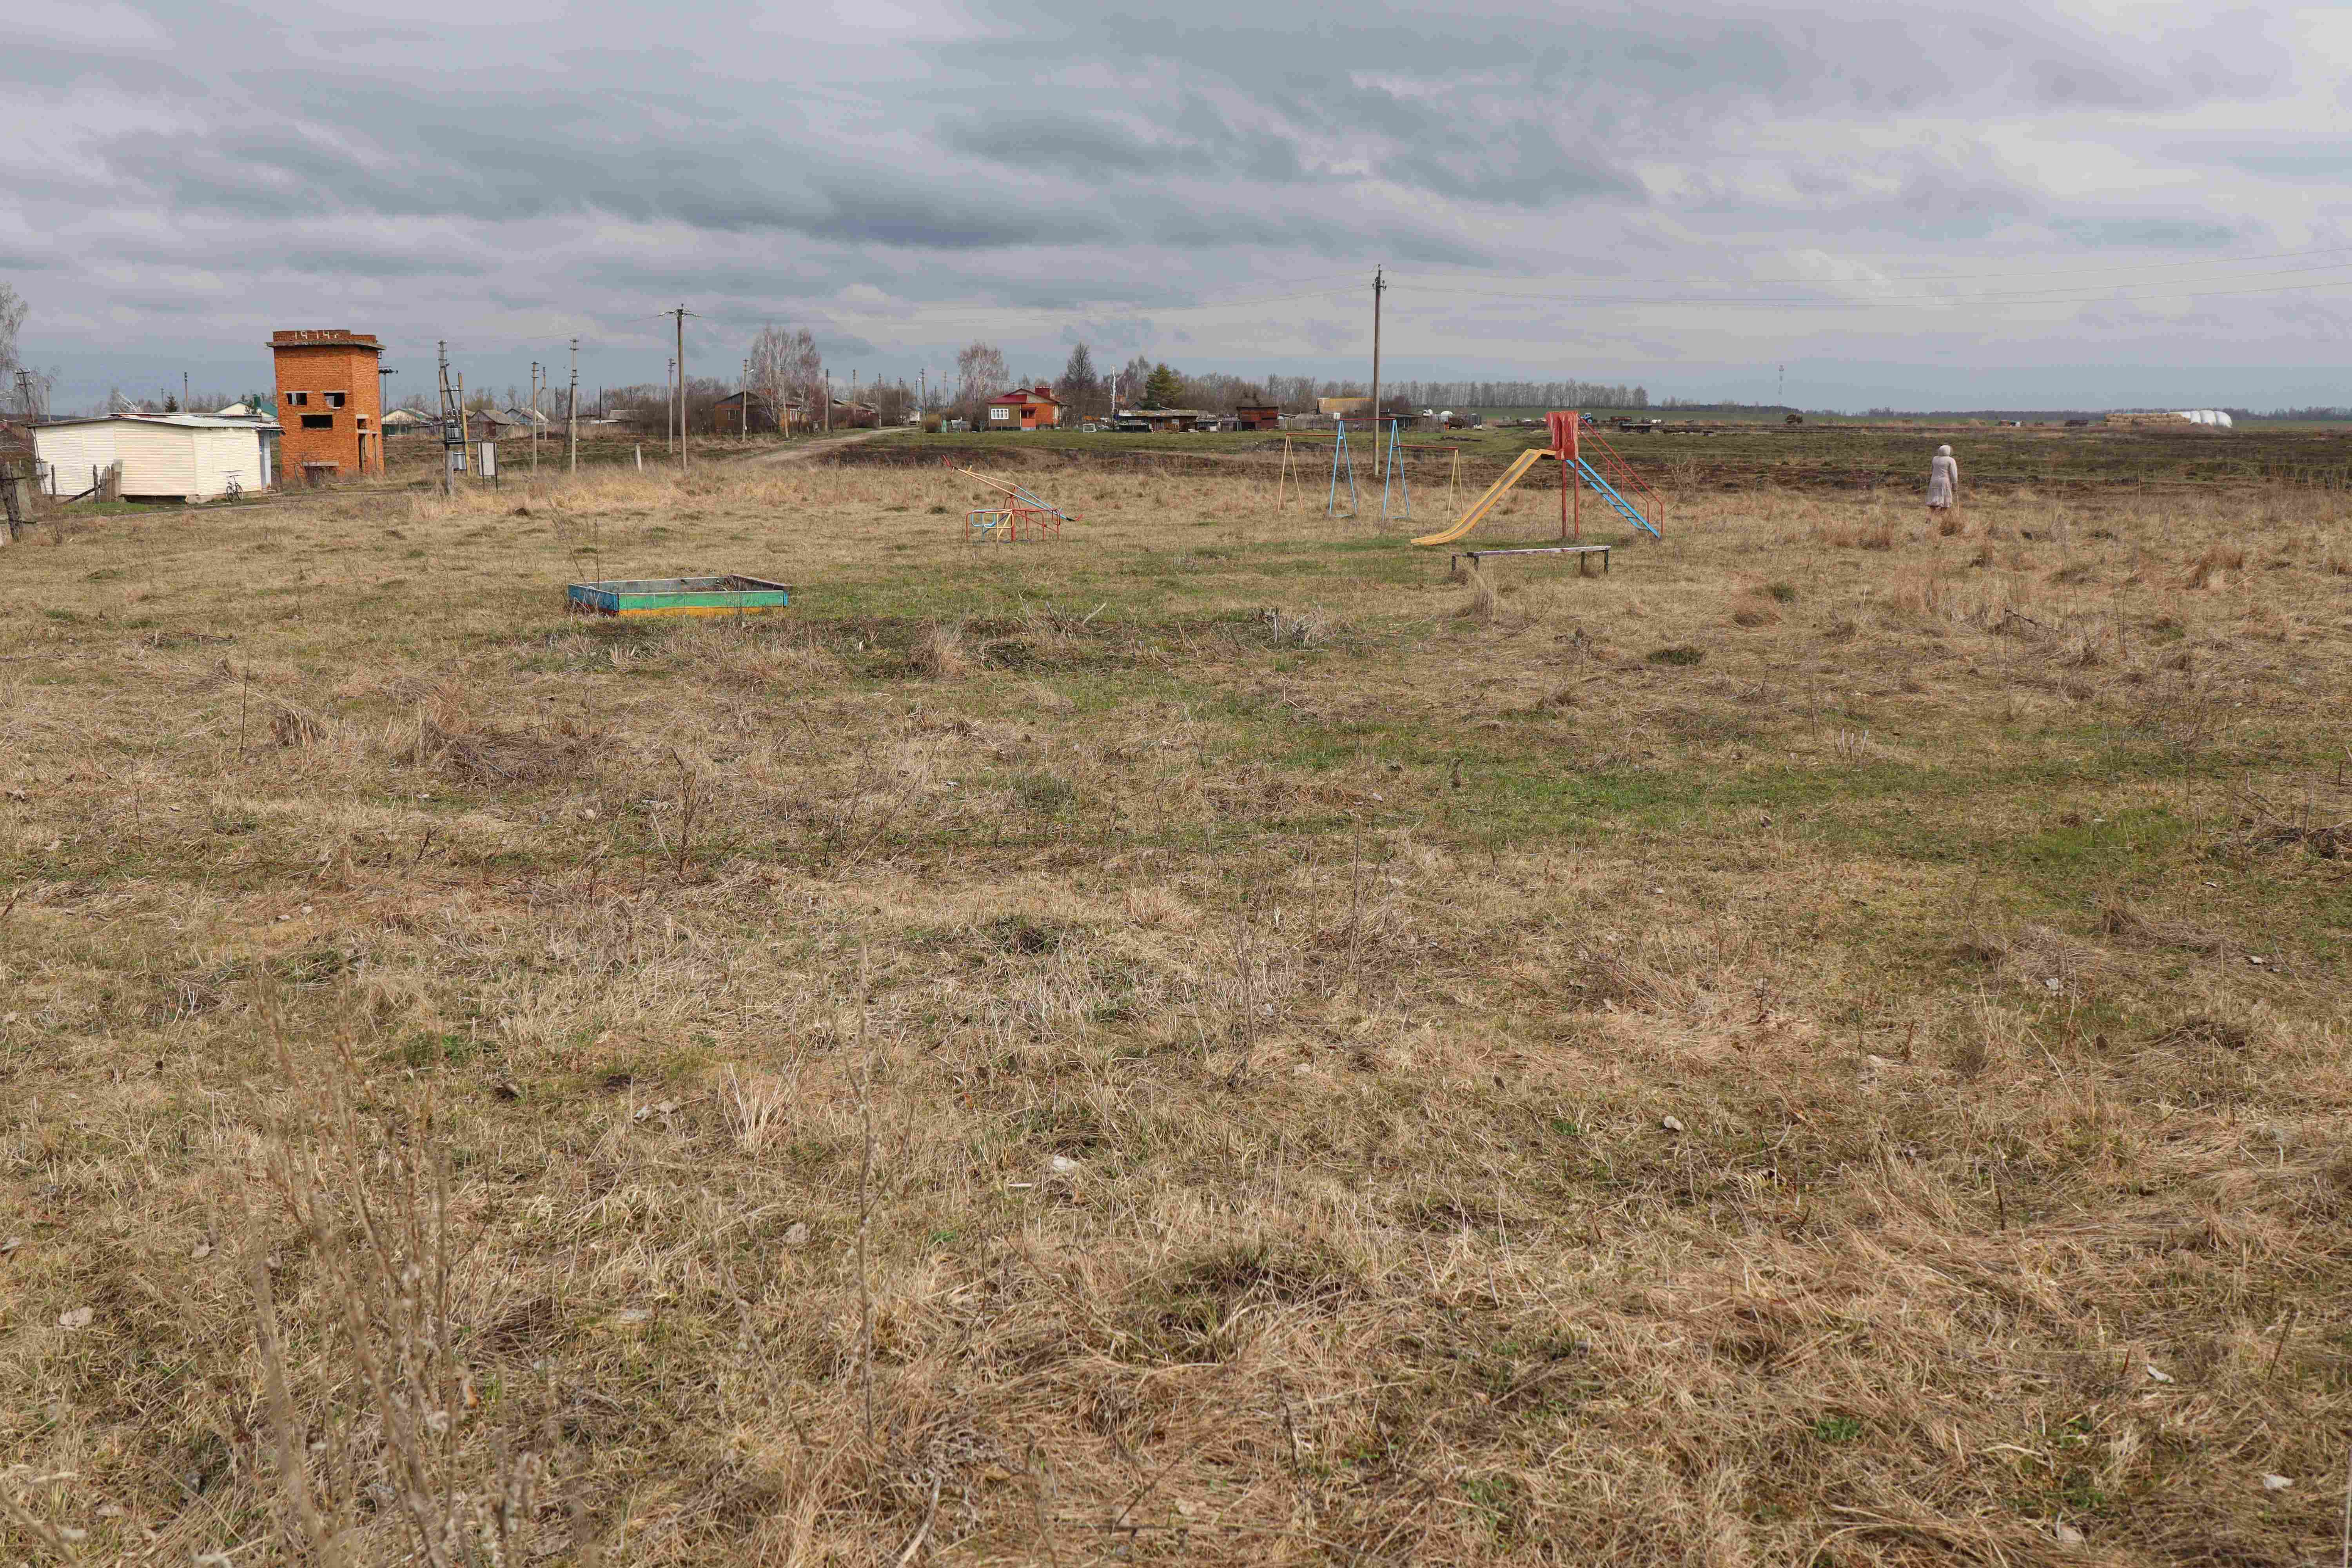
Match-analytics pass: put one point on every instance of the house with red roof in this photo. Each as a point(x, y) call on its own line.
point(1025, 408)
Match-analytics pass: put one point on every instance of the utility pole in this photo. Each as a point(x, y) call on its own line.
point(1379, 285)
point(184, 394)
point(534, 419)
point(572, 416)
point(680, 314)
point(746, 400)
point(923, 395)
point(828, 400)
point(449, 423)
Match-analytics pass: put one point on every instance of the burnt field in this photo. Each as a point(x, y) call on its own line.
point(2085, 462)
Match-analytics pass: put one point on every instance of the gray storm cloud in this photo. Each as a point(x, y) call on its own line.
point(1010, 171)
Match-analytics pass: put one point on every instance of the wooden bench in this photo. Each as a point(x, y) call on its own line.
point(1454, 561)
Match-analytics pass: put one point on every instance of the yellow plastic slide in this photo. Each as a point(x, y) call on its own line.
point(1486, 503)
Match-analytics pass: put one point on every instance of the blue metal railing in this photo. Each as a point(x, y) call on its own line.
point(1609, 492)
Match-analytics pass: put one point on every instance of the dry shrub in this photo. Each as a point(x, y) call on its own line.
point(1632, 981)
point(1923, 594)
point(291, 726)
point(1754, 610)
point(940, 653)
point(2125, 924)
point(1982, 554)
point(1949, 525)
point(756, 1109)
point(1158, 907)
point(1881, 537)
point(1303, 629)
point(2218, 558)
point(1482, 601)
point(758, 664)
point(444, 733)
point(386, 1294)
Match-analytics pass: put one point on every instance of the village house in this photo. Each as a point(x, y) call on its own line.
point(1025, 408)
point(1257, 416)
point(1159, 420)
point(752, 413)
point(329, 403)
point(497, 425)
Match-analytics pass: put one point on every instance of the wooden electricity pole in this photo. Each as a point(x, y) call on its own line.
point(571, 411)
point(680, 314)
point(1379, 459)
point(449, 473)
point(534, 419)
point(746, 400)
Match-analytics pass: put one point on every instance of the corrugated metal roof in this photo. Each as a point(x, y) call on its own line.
point(186, 421)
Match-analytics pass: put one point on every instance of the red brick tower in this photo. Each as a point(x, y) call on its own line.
point(328, 405)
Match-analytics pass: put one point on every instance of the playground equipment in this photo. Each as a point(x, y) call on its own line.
point(1605, 473)
point(1021, 511)
point(1340, 455)
point(637, 598)
point(1392, 475)
point(1397, 452)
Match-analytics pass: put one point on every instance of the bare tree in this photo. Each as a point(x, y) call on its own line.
point(1128, 387)
point(891, 400)
point(979, 375)
point(786, 368)
point(13, 311)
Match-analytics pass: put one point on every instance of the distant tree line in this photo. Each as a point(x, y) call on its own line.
point(1521, 394)
point(1089, 392)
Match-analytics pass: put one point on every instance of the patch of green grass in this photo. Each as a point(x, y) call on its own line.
point(1043, 792)
point(427, 1051)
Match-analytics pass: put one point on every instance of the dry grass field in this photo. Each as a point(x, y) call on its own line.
point(1203, 1041)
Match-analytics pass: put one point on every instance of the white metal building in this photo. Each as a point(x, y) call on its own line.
point(194, 457)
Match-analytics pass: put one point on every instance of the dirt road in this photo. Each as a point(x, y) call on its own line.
point(809, 451)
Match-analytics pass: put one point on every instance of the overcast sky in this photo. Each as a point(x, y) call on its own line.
point(2096, 203)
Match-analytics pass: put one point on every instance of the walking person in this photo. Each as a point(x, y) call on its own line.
point(1943, 483)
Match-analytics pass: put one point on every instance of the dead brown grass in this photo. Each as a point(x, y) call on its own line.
point(939, 652)
point(2217, 560)
point(1262, 1066)
point(1483, 599)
